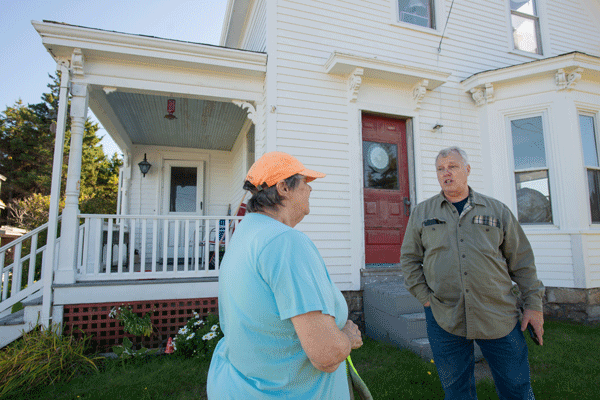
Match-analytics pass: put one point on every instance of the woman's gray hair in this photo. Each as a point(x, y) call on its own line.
point(453, 149)
point(268, 198)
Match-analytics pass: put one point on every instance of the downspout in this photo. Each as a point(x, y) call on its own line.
point(59, 145)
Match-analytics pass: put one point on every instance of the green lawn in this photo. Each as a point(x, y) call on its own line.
point(566, 367)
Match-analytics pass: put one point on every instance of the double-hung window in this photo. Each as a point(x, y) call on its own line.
point(589, 141)
point(531, 171)
point(525, 26)
point(417, 12)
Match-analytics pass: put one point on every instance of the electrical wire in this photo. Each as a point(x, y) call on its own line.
point(445, 26)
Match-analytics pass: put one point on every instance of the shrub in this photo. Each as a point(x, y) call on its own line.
point(132, 323)
point(198, 338)
point(43, 357)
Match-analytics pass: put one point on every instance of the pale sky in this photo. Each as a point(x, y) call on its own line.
point(25, 64)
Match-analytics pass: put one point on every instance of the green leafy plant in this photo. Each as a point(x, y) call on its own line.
point(43, 357)
point(198, 338)
point(133, 323)
point(126, 350)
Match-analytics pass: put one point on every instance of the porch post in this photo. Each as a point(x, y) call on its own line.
point(59, 145)
point(70, 222)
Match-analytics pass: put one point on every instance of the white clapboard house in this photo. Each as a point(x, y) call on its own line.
point(367, 91)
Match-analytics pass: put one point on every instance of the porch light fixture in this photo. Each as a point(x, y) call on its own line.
point(144, 166)
point(171, 109)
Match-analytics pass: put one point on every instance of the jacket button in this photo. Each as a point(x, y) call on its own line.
point(467, 290)
point(459, 225)
point(462, 240)
point(465, 273)
point(464, 256)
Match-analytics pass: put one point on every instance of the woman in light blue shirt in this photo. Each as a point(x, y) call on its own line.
point(285, 323)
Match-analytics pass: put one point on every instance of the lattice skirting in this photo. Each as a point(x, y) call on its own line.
point(170, 315)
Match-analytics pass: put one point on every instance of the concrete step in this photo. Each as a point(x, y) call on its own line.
point(394, 316)
point(13, 325)
point(391, 298)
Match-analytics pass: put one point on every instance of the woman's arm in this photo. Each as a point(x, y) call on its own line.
point(324, 343)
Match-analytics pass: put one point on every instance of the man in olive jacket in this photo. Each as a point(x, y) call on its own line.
point(461, 253)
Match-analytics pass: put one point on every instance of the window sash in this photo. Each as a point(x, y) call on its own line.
point(534, 203)
point(406, 16)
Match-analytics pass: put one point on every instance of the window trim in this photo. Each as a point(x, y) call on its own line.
point(542, 38)
point(543, 113)
point(596, 117)
point(437, 12)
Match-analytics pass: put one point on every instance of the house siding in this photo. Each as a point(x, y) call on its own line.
point(256, 34)
point(315, 122)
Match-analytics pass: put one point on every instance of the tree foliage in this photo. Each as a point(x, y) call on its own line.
point(26, 154)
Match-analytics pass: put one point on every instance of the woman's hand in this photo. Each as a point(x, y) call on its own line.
point(324, 343)
point(353, 333)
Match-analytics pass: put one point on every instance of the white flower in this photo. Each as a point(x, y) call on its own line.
point(191, 336)
point(209, 335)
point(113, 313)
point(199, 322)
point(214, 328)
point(183, 331)
point(195, 314)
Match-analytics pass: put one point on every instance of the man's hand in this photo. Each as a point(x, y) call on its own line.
point(536, 318)
point(426, 304)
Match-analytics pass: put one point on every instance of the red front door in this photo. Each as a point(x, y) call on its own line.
point(386, 191)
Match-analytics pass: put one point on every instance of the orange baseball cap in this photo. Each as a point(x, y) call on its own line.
point(275, 166)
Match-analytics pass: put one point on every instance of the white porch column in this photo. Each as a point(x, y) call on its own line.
point(70, 223)
point(59, 145)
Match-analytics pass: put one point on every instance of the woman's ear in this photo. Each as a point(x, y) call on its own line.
point(282, 189)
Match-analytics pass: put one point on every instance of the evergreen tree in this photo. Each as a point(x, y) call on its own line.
point(27, 149)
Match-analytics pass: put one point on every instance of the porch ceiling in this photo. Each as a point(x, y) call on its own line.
point(203, 124)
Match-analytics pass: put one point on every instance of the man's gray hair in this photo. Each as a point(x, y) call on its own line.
point(453, 149)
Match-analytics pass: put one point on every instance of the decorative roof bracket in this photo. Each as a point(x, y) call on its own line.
point(248, 107)
point(354, 82)
point(483, 94)
point(77, 62)
point(419, 90)
point(567, 81)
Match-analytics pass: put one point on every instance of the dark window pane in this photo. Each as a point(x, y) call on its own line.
point(417, 12)
point(594, 185)
point(533, 197)
point(380, 165)
point(528, 143)
point(183, 189)
point(588, 141)
point(250, 146)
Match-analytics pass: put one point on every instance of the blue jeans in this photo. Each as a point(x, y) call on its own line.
point(455, 362)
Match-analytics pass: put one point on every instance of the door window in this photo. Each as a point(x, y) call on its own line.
point(184, 183)
point(380, 165)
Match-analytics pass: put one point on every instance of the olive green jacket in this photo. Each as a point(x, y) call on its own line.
point(465, 265)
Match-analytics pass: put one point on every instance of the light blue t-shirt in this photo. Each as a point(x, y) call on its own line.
point(270, 273)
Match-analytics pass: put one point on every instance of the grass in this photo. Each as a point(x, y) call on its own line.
point(566, 367)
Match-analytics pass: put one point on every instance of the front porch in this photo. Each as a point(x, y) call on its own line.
point(196, 114)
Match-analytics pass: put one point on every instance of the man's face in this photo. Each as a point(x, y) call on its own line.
point(452, 174)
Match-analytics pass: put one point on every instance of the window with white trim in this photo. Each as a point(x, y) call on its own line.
point(417, 12)
point(589, 142)
point(531, 171)
point(525, 26)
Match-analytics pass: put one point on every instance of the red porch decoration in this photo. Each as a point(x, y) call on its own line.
point(170, 109)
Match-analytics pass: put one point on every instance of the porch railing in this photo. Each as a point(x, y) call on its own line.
point(22, 277)
point(151, 246)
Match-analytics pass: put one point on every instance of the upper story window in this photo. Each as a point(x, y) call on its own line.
point(525, 26)
point(589, 141)
point(531, 171)
point(417, 12)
